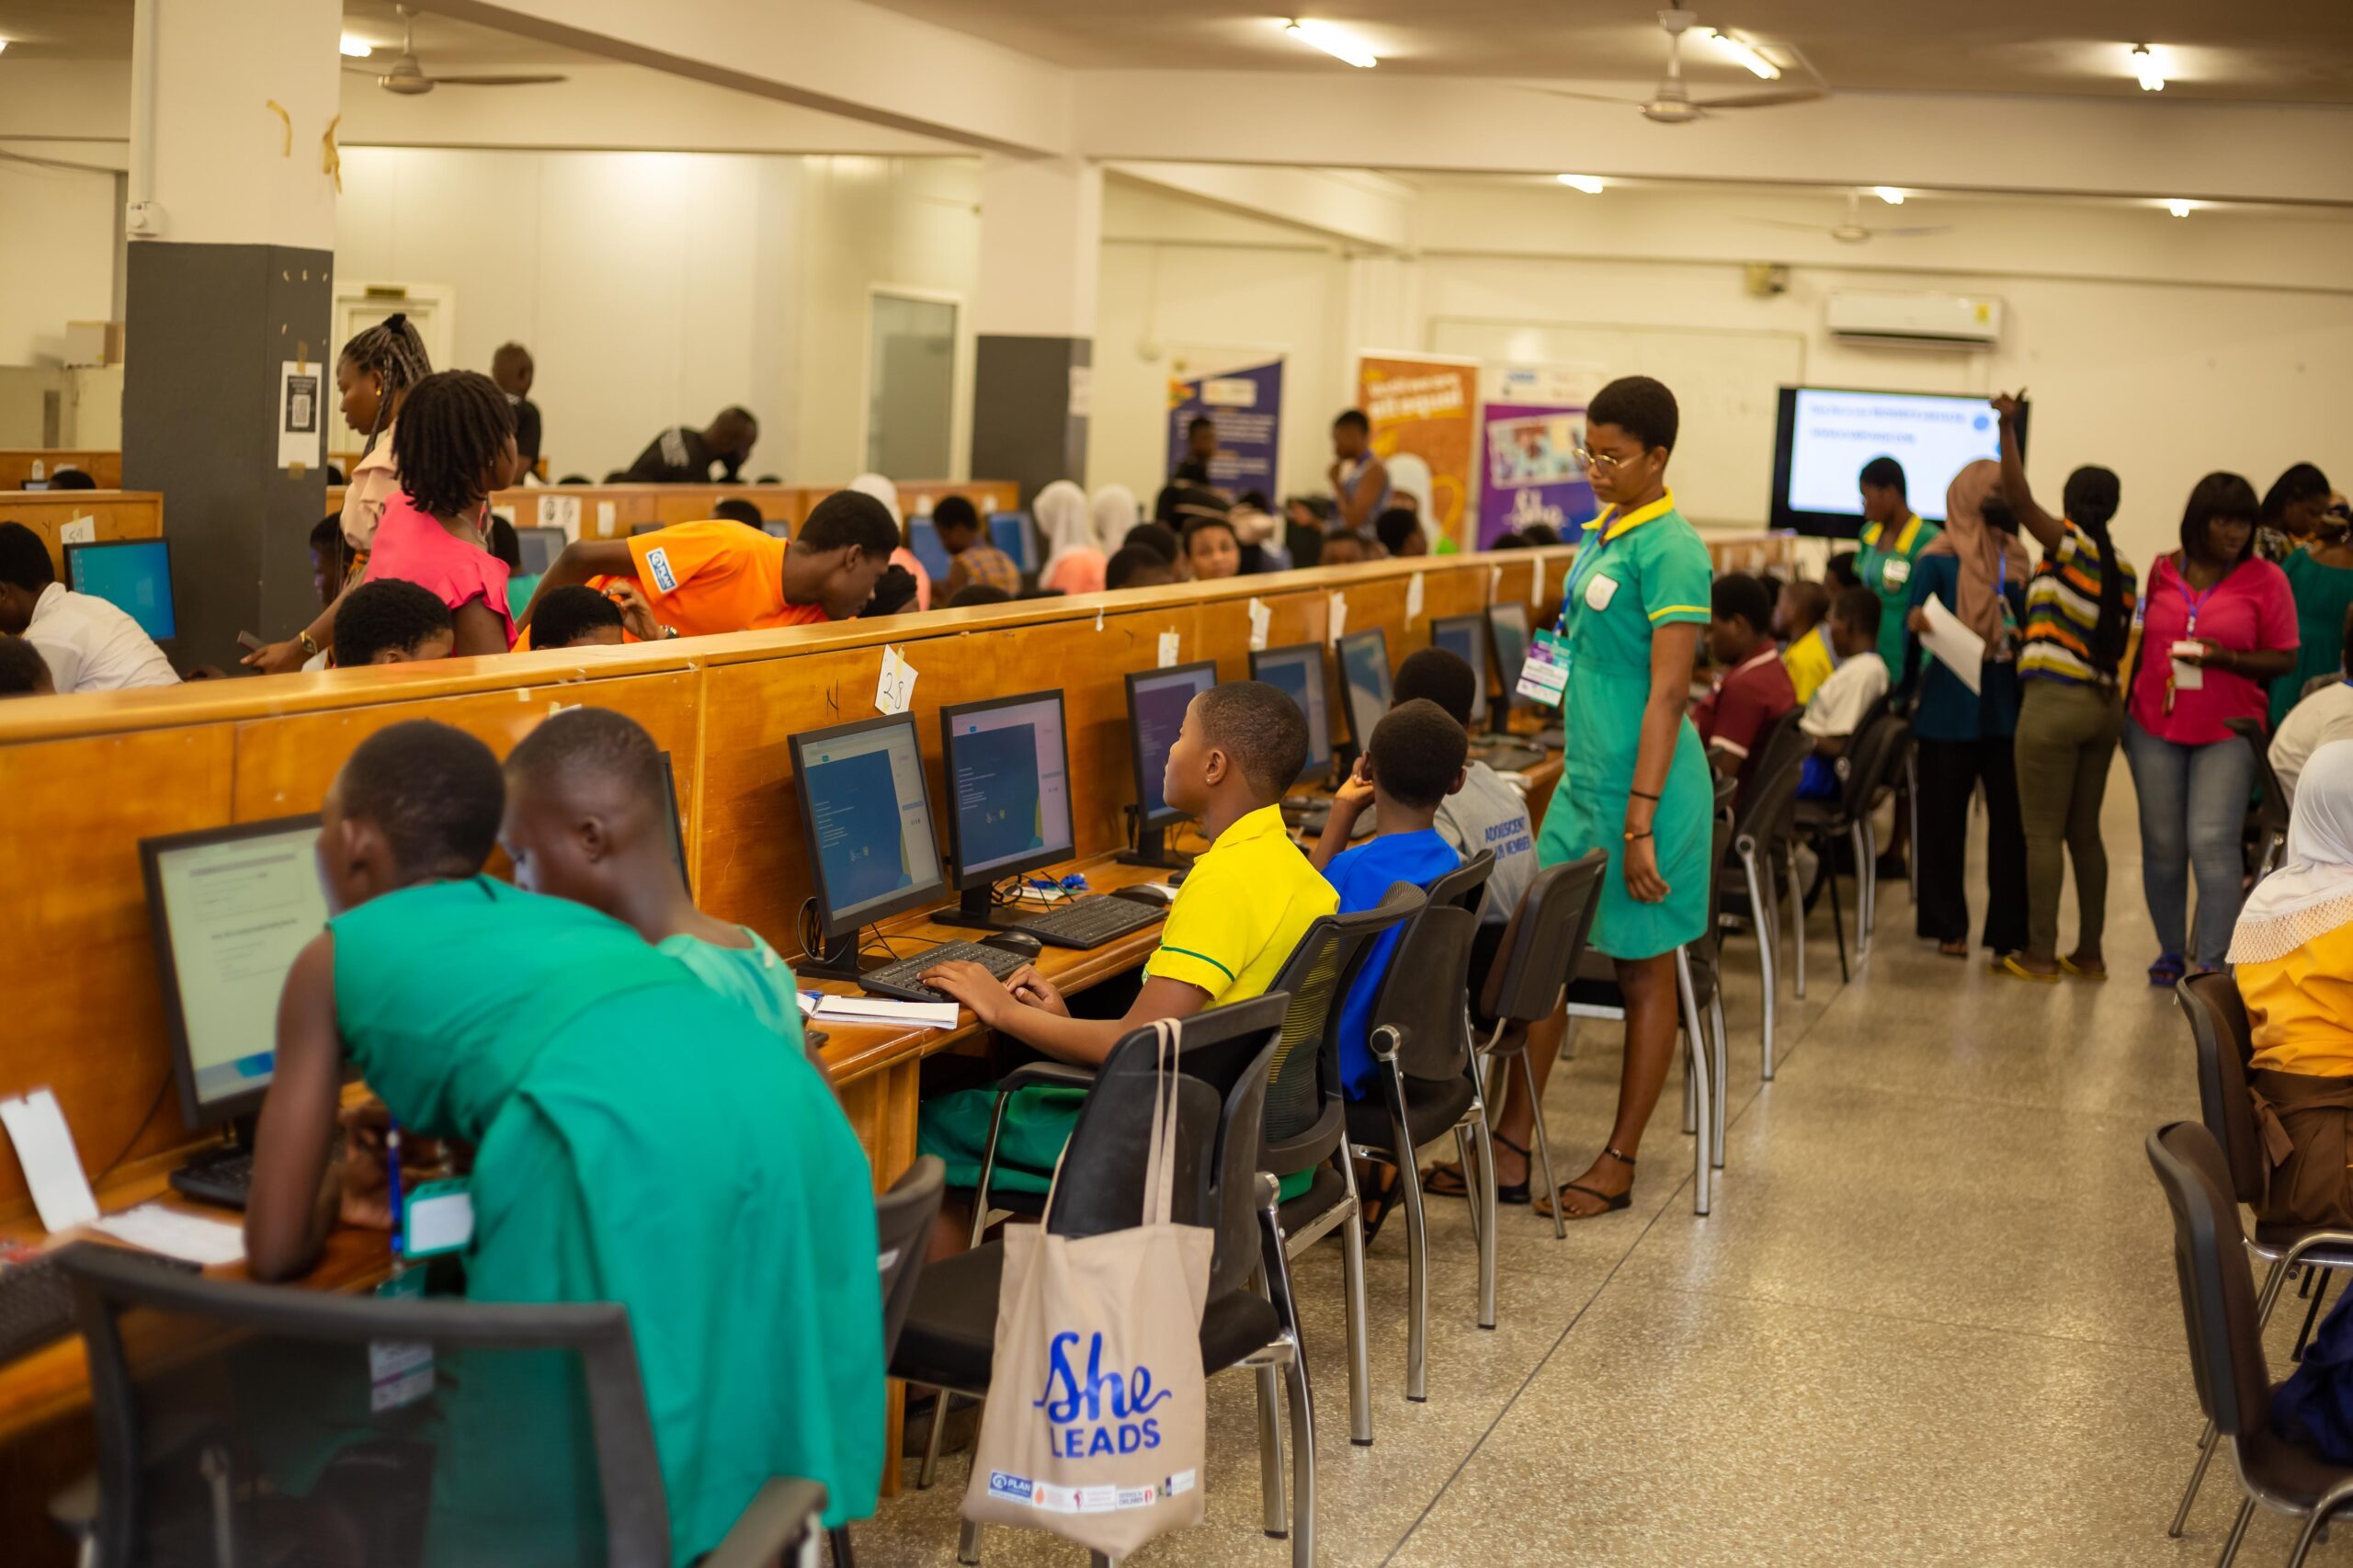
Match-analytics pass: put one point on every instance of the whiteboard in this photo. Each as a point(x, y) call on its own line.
point(1726, 383)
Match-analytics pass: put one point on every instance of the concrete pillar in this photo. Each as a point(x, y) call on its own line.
point(1041, 240)
point(231, 219)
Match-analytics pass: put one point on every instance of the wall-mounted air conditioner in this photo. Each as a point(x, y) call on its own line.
point(1915, 320)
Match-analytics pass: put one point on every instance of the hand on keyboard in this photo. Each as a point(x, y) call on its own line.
point(973, 986)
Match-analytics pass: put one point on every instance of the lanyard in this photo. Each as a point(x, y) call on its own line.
point(393, 1172)
point(2196, 602)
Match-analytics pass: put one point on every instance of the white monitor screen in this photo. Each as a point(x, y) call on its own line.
point(1832, 435)
point(873, 824)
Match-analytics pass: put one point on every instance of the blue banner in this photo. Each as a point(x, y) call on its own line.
point(1246, 404)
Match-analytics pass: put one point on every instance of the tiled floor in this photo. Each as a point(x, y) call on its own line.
point(1932, 1319)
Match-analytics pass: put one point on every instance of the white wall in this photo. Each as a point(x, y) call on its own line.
point(57, 256)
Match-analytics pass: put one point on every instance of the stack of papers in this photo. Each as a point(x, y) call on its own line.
point(210, 1243)
point(886, 1011)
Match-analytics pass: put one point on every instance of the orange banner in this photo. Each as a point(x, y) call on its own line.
point(1426, 408)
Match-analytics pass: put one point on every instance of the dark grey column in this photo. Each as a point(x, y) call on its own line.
point(1023, 425)
point(208, 326)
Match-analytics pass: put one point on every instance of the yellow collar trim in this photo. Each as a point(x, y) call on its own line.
point(1613, 525)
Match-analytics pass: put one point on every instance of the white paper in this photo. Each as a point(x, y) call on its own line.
point(443, 1223)
point(301, 395)
point(608, 517)
point(1413, 597)
point(78, 530)
point(1169, 646)
point(895, 687)
point(2188, 675)
point(1338, 619)
point(561, 512)
point(1262, 620)
point(1098, 618)
point(1495, 585)
point(53, 1171)
point(887, 1010)
point(1956, 647)
point(191, 1237)
point(1536, 581)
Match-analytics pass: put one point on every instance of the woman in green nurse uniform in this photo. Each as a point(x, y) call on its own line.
point(1892, 538)
point(1636, 783)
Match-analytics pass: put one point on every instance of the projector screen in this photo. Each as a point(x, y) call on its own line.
point(1826, 435)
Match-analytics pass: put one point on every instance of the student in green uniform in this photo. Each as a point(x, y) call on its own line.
point(1636, 783)
point(1892, 538)
point(637, 1140)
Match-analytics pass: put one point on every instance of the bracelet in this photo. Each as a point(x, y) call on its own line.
point(310, 645)
point(1642, 795)
point(1631, 835)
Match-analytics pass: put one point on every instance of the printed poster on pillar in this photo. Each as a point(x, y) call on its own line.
point(1244, 401)
point(1426, 407)
point(1528, 434)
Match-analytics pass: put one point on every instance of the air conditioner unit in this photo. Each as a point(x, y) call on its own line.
point(1917, 321)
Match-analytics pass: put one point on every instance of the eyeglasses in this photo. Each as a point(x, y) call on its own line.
point(1600, 463)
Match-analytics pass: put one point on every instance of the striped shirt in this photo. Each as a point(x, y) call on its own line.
point(2062, 611)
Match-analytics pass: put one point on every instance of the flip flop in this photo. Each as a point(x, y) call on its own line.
point(1446, 1180)
point(2082, 971)
point(2166, 971)
point(1610, 1203)
point(1383, 1198)
point(2009, 965)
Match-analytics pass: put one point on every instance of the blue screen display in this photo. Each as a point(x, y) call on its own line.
point(1364, 665)
point(1298, 674)
point(134, 576)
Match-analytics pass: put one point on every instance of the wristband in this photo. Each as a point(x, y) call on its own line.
point(310, 645)
point(1631, 835)
point(1642, 795)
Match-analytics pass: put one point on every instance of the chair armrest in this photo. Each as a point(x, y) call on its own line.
point(784, 1512)
point(2317, 1239)
point(1049, 1074)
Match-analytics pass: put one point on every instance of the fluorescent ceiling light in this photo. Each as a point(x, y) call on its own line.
point(1337, 42)
point(1746, 56)
point(2147, 66)
point(2179, 208)
point(357, 48)
point(1887, 194)
point(1592, 185)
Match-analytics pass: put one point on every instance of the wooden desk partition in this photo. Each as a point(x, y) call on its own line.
point(613, 511)
point(16, 465)
point(112, 513)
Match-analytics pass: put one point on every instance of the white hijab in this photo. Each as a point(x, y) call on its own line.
point(1115, 512)
point(1065, 522)
point(1409, 475)
point(883, 490)
point(2312, 892)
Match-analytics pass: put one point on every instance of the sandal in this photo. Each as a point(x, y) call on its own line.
point(2081, 971)
point(2166, 971)
point(2008, 964)
point(1609, 1204)
point(1383, 1197)
point(1955, 950)
point(1446, 1181)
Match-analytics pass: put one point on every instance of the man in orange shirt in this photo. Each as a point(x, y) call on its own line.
point(701, 578)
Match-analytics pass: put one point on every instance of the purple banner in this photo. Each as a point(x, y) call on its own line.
point(1531, 472)
point(1246, 407)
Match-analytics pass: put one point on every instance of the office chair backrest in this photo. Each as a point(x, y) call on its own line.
point(1220, 1108)
point(1543, 940)
point(2271, 810)
point(1465, 887)
point(1869, 761)
point(1422, 995)
point(2218, 1304)
point(1773, 787)
point(2226, 1044)
point(903, 1218)
point(1305, 1118)
point(253, 1415)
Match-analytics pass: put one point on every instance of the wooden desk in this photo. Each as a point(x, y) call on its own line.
point(112, 513)
point(16, 465)
point(614, 511)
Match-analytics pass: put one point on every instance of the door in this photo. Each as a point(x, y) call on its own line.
point(911, 384)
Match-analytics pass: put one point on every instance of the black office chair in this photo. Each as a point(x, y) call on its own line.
point(1542, 945)
point(1762, 820)
point(1868, 770)
point(902, 1220)
point(2270, 813)
point(1421, 1037)
point(242, 1423)
point(2226, 1359)
point(949, 1339)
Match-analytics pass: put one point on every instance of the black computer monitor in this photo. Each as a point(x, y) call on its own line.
point(1008, 764)
point(230, 909)
point(866, 820)
point(1297, 670)
point(1364, 671)
point(1465, 637)
point(132, 574)
point(677, 823)
point(539, 549)
point(636, 528)
point(1156, 704)
point(777, 531)
point(1507, 634)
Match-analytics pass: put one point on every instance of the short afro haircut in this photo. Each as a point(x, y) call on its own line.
point(1261, 728)
point(436, 794)
point(595, 745)
point(22, 669)
point(1738, 594)
point(1640, 406)
point(1395, 528)
point(1125, 562)
point(1417, 751)
point(1841, 570)
point(1860, 609)
point(1156, 537)
point(1440, 675)
point(570, 613)
point(72, 479)
point(386, 613)
point(1883, 473)
point(955, 512)
point(24, 560)
point(850, 517)
point(1353, 419)
point(1199, 526)
point(735, 509)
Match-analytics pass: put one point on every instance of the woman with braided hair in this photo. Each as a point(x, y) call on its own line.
point(455, 444)
point(374, 373)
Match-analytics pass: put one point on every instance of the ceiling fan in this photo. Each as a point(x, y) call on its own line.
point(1671, 102)
point(1851, 230)
point(407, 76)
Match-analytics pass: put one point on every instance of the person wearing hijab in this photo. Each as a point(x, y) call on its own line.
point(2218, 623)
point(1977, 570)
point(1075, 555)
point(883, 490)
point(1115, 510)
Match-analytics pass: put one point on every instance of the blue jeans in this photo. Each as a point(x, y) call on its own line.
point(2193, 805)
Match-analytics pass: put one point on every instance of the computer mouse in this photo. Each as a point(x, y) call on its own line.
point(1143, 893)
point(1020, 942)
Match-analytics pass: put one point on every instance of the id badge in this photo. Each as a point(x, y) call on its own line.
point(2188, 676)
point(437, 1217)
point(400, 1372)
point(1599, 589)
point(1544, 678)
point(1896, 574)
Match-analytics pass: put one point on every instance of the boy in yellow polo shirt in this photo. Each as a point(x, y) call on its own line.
point(1799, 619)
point(1241, 910)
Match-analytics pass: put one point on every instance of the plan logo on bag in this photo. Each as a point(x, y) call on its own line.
point(1076, 1408)
point(1012, 1488)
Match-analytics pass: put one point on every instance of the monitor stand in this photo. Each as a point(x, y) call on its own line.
point(976, 911)
point(1151, 849)
point(840, 958)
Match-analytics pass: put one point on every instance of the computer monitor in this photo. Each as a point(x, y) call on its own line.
point(866, 820)
point(132, 574)
point(1009, 531)
point(1507, 634)
point(777, 531)
point(1297, 670)
point(1007, 764)
point(1156, 704)
point(923, 539)
point(230, 908)
point(1465, 637)
point(1364, 669)
point(636, 528)
point(538, 548)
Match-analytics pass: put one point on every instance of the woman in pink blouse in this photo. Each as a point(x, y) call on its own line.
point(455, 444)
point(2217, 625)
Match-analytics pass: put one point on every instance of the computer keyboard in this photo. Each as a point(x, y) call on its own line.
point(1091, 921)
point(226, 1179)
point(899, 978)
point(1510, 760)
point(36, 1300)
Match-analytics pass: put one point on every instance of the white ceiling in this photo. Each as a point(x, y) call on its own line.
point(101, 30)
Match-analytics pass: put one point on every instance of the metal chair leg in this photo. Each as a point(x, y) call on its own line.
point(1276, 1517)
point(1694, 1038)
point(1865, 881)
point(1722, 1074)
point(2238, 1533)
point(1486, 1200)
point(1303, 1462)
point(931, 1443)
point(1417, 1256)
point(1543, 1146)
point(968, 1544)
point(1760, 912)
point(1837, 921)
point(1912, 808)
point(1462, 1152)
point(1797, 925)
point(2312, 1315)
point(1352, 1294)
point(1690, 1106)
point(2207, 1441)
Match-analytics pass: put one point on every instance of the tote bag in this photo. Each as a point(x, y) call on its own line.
point(1094, 1429)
